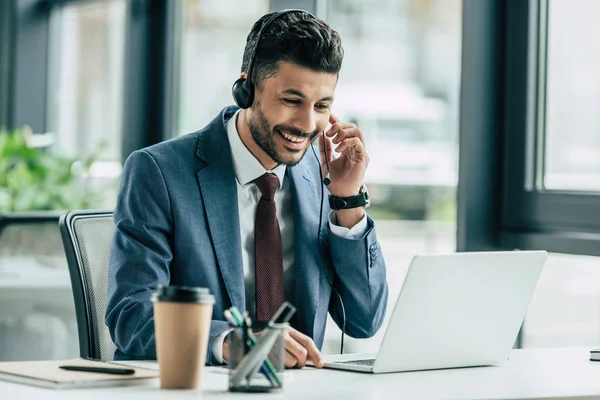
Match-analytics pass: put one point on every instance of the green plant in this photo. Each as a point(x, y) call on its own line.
point(39, 179)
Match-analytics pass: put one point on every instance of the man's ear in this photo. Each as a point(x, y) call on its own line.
point(244, 75)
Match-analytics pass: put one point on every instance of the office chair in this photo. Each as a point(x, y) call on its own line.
point(87, 236)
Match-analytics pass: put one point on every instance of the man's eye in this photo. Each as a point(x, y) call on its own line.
point(292, 101)
point(322, 106)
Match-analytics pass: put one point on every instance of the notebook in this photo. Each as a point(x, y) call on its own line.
point(595, 354)
point(48, 374)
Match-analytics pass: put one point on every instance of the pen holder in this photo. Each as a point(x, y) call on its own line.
point(257, 365)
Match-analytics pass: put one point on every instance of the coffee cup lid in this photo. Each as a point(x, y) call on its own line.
point(183, 294)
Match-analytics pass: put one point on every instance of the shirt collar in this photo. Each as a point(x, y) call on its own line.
point(247, 167)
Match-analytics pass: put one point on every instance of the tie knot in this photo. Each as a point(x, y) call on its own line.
point(267, 184)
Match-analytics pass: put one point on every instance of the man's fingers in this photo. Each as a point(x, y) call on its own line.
point(349, 132)
point(290, 361)
point(298, 351)
point(354, 143)
point(300, 348)
point(339, 126)
point(325, 143)
point(332, 119)
point(313, 352)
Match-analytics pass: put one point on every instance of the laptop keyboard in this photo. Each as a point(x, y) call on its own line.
point(359, 362)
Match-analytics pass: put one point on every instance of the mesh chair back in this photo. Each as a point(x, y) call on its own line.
point(87, 237)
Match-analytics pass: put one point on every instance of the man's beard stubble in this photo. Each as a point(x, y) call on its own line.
point(264, 135)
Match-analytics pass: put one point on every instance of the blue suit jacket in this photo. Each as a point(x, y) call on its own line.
point(177, 223)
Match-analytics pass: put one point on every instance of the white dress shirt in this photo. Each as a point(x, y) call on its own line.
point(248, 168)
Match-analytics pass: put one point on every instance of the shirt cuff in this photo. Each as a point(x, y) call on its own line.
point(217, 347)
point(356, 232)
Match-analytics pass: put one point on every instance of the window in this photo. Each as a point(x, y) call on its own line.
point(81, 70)
point(559, 205)
point(572, 148)
point(213, 42)
point(85, 95)
point(85, 99)
point(552, 132)
point(526, 136)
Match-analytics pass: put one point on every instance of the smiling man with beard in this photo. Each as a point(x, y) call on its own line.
point(237, 207)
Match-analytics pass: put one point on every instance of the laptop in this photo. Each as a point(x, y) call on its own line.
point(456, 310)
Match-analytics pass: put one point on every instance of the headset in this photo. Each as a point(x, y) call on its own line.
point(243, 94)
point(243, 89)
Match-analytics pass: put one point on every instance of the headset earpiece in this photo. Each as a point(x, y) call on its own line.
point(243, 93)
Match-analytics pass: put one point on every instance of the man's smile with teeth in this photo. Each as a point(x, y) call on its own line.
point(291, 138)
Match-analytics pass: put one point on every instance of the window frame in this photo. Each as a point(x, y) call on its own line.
point(480, 117)
point(25, 73)
point(501, 124)
point(560, 221)
point(151, 72)
point(5, 57)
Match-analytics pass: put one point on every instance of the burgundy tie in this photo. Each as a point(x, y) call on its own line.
point(268, 266)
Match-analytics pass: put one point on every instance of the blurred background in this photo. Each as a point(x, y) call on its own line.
point(85, 82)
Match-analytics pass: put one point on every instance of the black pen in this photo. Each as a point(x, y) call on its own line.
point(114, 371)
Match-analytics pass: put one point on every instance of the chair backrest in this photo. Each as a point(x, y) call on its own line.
point(87, 237)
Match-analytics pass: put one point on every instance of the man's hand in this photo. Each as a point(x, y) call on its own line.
point(299, 349)
point(347, 172)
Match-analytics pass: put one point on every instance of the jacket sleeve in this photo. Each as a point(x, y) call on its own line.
point(360, 281)
point(140, 257)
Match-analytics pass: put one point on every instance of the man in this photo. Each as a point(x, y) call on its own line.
point(236, 208)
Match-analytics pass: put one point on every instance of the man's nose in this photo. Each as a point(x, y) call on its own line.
point(306, 121)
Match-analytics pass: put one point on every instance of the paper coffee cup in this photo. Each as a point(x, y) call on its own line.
point(182, 317)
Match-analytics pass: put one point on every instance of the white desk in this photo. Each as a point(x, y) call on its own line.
point(532, 373)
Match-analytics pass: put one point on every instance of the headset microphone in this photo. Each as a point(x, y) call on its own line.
point(327, 179)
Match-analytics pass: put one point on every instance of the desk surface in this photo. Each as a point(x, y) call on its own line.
point(531, 373)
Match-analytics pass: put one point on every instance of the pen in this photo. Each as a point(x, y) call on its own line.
point(114, 371)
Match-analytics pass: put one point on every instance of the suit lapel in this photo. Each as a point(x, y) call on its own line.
point(219, 192)
point(306, 193)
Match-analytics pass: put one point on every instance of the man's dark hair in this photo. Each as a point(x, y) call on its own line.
point(295, 37)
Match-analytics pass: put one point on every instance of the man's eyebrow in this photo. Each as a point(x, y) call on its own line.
point(294, 92)
point(301, 95)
